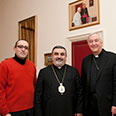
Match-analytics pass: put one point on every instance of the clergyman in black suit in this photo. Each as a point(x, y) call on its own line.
point(99, 79)
point(58, 91)
point(84, 14)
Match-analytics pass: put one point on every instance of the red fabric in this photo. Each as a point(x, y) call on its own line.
point(86, 17)
point(16, 86)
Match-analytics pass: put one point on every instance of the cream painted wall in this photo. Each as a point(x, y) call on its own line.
point(52, 25)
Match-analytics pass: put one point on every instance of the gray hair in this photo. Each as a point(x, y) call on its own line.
point(98, 33)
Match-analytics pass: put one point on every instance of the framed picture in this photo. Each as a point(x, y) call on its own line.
point(28, 31)
point(91, 3)
point(47, 59)
point(83, 13)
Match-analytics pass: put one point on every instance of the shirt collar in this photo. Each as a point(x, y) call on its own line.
point(21, 61)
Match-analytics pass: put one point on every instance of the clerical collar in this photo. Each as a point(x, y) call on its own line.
point(97, 56)
point(21, 61)
point(59, 67)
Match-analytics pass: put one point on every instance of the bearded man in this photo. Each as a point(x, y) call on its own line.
point(58, 91)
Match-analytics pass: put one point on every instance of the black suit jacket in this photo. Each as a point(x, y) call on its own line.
point(105, 82)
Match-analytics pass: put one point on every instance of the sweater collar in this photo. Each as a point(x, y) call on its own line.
point(21, 61)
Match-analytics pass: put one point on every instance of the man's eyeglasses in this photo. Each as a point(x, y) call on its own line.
point(21, 46)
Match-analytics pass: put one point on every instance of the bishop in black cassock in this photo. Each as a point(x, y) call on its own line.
point(99, 79)
point(49, 101)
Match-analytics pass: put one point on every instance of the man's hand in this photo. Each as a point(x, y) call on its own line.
point(113, 110)
point(79, 114)
point(8, 115)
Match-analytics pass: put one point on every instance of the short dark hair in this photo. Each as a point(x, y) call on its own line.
point(59, 47)
point(18, 41)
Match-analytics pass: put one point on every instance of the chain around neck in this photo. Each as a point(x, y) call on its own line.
point(57, 76)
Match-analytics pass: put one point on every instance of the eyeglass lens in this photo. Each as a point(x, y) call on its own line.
point(21, 46)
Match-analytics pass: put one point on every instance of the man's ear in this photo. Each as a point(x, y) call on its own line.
point(14, 49)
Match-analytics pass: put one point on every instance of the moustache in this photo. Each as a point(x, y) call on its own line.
point(59, 59)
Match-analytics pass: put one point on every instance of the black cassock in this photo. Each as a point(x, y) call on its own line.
point(49, 101)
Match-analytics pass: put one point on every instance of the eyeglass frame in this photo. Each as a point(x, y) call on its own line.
point(21, 47)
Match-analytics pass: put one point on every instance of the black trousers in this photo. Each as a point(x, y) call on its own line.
point(92, 109)
point(28, 112)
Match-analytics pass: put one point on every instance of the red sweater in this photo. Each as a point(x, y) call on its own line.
point(16, 86)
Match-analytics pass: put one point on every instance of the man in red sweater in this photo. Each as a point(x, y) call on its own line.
point(17, 83)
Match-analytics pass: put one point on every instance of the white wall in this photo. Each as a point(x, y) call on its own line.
point(52, 25)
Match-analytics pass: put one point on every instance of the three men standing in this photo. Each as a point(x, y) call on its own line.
point(59, 89)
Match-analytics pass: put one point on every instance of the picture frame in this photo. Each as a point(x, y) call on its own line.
point(83, 13)
point(28, 31)
point(47, 59)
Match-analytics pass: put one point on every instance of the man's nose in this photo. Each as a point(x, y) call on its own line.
point(94, 42)
point(59, 55)
point(23, 49)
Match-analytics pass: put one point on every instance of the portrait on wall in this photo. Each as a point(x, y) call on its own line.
point(47, 59)
point(83, 13)
point(91, 3)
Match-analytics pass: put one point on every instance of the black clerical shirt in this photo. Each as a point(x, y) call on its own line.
point(60, 72)
point(95, 67)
